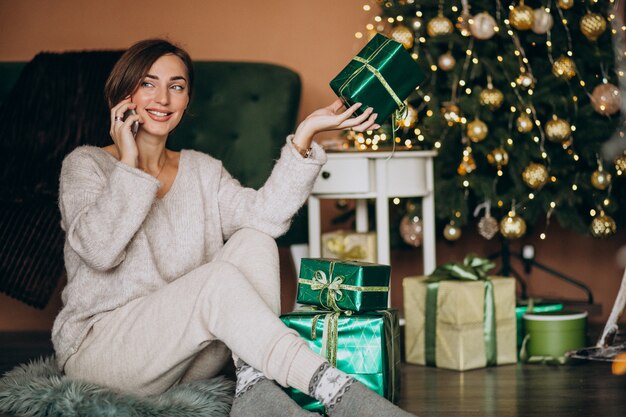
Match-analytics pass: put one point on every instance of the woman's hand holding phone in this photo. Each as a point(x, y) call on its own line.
point(134, 128)
point(124, 125)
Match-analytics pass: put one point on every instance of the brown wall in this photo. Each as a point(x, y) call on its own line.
point(315, 38)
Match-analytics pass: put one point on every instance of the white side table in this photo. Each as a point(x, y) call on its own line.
point(364, 175)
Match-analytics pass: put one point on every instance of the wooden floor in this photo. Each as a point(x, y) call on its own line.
point(586, 389)
point(515, 391)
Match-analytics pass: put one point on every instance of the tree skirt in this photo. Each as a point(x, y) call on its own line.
point(39, 389)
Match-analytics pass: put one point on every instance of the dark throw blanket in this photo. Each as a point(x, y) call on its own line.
point(56, 105)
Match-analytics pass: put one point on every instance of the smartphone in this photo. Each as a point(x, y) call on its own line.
point(134, 128)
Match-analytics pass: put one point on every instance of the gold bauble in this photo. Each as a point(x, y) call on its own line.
point(477, 130)
point(482, 26)
point(558, 130)
point(601, 179)
point(403, 35)
point(565, 4)
point(492, 98)
point(467, 165)
point(439, 26)
point(521, 17)
point(603, 226)
point(620, 164)
point(592, 25)
point(512, 226)
point(409, 118)
point(564, 67)
point(542, 22)
point(488, 227)
point(446, 61)
point(451, 112)
point(606, 99)
point(452, 232)
point(535, 175)
point(525, 80)
point(498, 157)
point(524, 124)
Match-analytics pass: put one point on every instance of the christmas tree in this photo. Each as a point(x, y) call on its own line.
point(519, 98)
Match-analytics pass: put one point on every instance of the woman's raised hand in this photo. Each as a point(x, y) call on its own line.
point(334, 117)
point(122, 134)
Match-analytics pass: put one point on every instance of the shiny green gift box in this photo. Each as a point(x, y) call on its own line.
point(343, 285)
point(381, 76)
point(367, 347)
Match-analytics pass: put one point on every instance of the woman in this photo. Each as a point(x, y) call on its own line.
point(154, 295)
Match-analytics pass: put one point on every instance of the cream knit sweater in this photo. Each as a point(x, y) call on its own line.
point(122, 242)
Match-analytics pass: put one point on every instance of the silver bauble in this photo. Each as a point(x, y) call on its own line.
point(606, 99)
point(542, 22)
point(411, 230)
point(482, 26)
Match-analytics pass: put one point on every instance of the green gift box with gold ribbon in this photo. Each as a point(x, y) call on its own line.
point(459, 318)
point(382, 76)
point(343, 285)
point(364, 345)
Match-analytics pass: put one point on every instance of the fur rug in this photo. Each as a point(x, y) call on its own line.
point(38, 389)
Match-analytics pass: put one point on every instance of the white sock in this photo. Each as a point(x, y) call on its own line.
point(328, 385)
point(247, 376)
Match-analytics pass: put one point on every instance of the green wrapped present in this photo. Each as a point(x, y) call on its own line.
point(366, 346)
point(536, 306)
point(381, 76)
point(343, 285)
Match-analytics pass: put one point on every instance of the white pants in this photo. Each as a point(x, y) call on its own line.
point(183, 331)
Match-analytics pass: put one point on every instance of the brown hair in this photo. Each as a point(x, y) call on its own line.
point(134, 65)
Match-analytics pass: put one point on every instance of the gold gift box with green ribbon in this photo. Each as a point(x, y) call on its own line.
point(343, 285)
point(459, 318)
point(365, 345)
point(349, 245)
point(382, 76)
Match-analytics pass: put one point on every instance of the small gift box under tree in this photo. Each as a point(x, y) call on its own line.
point(349, 245)
point(458, 318)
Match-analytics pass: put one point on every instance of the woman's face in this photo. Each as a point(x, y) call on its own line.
point(162, 96)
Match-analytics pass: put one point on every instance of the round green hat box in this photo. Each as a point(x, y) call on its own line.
point(552, 333)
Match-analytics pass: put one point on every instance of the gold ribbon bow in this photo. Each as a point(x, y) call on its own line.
point(334, 285)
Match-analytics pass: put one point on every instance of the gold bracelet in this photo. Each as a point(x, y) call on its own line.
point(304, 152)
